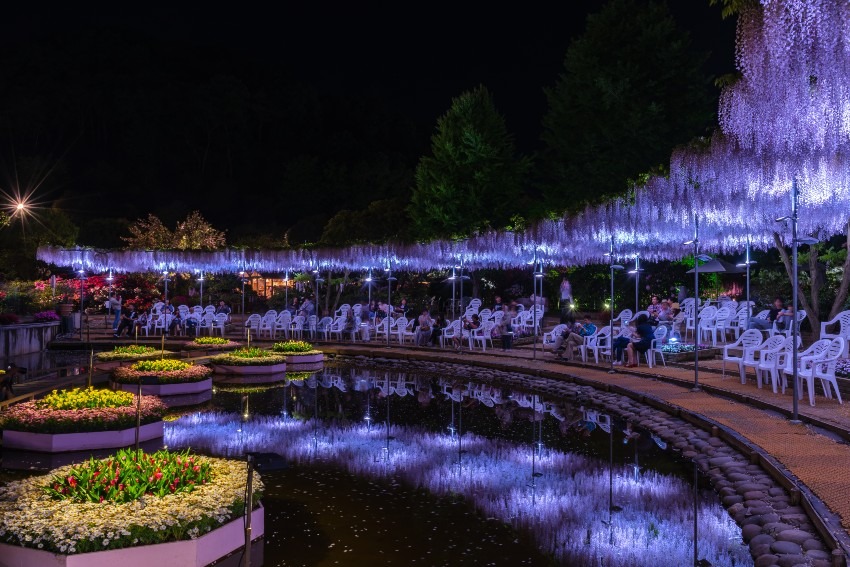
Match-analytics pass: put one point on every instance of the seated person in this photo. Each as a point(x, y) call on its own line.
point(654, 307)
point(497, 304)
point(437, 328)
point(641, 341)
point(422, 337)
point(402, 308)
point(506, 333)
point(785, 317)
point(126, 322)
point(176, 324)
point(765, 324)
point(223, 308)
point(469, 326)
point(574, 337)
point(665, 314)
point(621, 341)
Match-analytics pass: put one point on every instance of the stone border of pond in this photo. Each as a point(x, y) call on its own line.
point(782, 520)
point(207, 549)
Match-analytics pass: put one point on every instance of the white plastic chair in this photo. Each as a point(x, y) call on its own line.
point(825, 370)
point(751, 339)
point(706, 324)
point(772, 361)
point(754, 356)
point(550, 337)
point(298, 326)
point(481, 335)
point(623, 318)
point(450, 332)
point(801, 316)
point(656, 347)
point(805, 361)
point(843, 320)
point(323, 327)
point(599, 344)
point(283, 323)
point(219, 324)
point(252, 325)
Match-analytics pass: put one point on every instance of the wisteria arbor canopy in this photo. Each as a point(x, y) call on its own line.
point(786, 121)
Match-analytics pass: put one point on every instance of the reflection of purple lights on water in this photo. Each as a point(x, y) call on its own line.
point(570, 499)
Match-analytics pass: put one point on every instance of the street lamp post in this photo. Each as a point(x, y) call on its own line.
point(614, 267)
point(82, 299)
point(390, 280)
point(747, 263)
point(537, 286)
point(201, 281)
point(636, 271)
point(697, 258)
point(109, 298)
point(795, 287)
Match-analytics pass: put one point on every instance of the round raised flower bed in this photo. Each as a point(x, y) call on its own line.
point(173, 377)
point(300, 355)
point(210, 343)
point(80, 419)
point(249, 362)
point(131, 352)
point(163, 508)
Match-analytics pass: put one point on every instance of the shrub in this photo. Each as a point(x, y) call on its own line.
point(211, 341)
point(9, 319)
point(130, 352)
point(45, 317)
point(88, 398)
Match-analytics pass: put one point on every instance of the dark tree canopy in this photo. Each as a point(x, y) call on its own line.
point(631, 90)
point(473, 178)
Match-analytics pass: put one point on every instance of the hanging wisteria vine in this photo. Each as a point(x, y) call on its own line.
point(786, 119)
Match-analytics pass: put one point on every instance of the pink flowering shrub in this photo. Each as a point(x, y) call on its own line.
point(182, 374)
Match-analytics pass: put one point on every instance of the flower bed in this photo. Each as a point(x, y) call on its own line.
point(166, 372)
point(80, 411)
point(249, 361)
point(45, 317)
point(131, 352)
point(299, 354)
point(842, 367)
point(125, 502)
point(210, 343)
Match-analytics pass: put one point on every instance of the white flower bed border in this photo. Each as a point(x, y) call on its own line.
point(247, 369)
point(167, 389)
point(62, 442)
point(194, 552)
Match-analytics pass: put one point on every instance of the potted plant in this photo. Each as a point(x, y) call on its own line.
point(172, 377)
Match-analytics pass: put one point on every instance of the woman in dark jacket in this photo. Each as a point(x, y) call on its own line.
point(642, 343)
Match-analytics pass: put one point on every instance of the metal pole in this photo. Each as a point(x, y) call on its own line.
point(249, 504)
point(696, 304)
point(82, 304)
point(454, 304)
point(202, 290)
point(696, 512)
point(749, 306)
point(610, 470)
point(534, 307)
point(138, 414)
point(794, 293)
point(286, 290)
point(389, 326)
point(91, 364)
point(611, 318)
point(243, 296)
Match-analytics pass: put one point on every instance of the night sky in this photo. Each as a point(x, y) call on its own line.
point(409, 58)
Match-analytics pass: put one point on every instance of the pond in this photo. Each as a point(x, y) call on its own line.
point(386, 468)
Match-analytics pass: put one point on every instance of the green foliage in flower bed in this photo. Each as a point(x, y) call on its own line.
point(166, 371)
point(249, 357)
point(130, 352)
point(81, 411)
point(130, 475)
point(211, 343)
point(63, 511)
point(294, 347)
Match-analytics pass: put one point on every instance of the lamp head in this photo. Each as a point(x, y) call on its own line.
point(703, 258)
point(690, 242)
point(807, 240)
point(617, 267)
point(785, 218)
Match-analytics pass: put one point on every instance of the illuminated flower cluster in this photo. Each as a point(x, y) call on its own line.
point(129, 475)
point(87, 398)
point(166, 371)
point(31, 516)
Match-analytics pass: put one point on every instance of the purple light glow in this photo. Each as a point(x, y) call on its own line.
point(570, 498)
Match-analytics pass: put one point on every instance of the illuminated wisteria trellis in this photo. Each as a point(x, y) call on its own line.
point(786, 119)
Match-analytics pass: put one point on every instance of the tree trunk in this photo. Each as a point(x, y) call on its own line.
point(810, 305)
point(340, 288)
point(328, 294)
point(844, 288)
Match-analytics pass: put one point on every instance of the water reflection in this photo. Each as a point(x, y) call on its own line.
point(566, 473)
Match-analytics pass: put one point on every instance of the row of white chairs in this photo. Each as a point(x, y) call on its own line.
point(772, 359)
